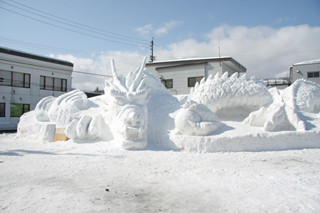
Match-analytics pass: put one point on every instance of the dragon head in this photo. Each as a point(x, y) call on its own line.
point(127, 99)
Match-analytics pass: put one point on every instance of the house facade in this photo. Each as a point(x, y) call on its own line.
point(309, 70)
point(179, 76)
point(25, 79)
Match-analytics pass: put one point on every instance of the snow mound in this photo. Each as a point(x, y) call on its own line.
point(305, 95)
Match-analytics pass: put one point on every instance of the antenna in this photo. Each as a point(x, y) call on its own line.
point(219, 50)
point(152, 57)
point(219, 53)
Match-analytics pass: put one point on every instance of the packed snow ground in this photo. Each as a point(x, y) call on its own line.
point(94, 177)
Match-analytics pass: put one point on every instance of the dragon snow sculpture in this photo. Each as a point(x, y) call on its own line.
point(137, 111)
point(221, 92)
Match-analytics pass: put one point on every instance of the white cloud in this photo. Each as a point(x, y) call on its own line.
point(100, 65)
point(145, 30)
point(149, 29)
point(265, 52)
point(167, 26)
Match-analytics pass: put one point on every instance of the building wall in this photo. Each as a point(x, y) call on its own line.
point(21, 95)
point(179, 76)
point(227, 67)
point(180, 71)
point(301, 71)
point(213, 68)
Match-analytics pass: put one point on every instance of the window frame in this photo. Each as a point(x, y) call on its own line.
point(196, 78)
point(24, 82)
point(25, 108)
point(58, 84)
point(3, 113)
point(168, 83)
point(315, 74)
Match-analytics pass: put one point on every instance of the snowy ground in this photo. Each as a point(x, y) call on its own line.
point(70, 177)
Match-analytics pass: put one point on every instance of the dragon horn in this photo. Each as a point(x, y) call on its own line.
point(116, 78)
point(138, 77)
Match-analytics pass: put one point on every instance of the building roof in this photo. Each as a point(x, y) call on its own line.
point(316, 61)
point(197, 60)
point(36, 57)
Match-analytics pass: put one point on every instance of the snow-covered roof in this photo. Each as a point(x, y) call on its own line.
point(194, 60)
point(316, 61)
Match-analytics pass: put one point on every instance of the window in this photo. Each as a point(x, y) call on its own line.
point(310, 74)
point(50, 83)
point(2, 110)
point(168, 83)
point(313, 74)
point(16, 110)
point(26, 80)
point(5, 78)
point(42, 82)
point(64, 85)
point(14, 79)
point(57, 84)
point(17, 79)
point(193, 80)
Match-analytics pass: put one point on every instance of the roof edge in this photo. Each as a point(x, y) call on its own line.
point(316, 61)
point(35, 57)
point(198, 60)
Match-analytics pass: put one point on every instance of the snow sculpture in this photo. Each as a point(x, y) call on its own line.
point(137, 111)
point(127, 115)
point(279, 116)
point(196, 119)
point(222, 92)
point(305, 95)
point(51, 113)
point(125, 111)
point(283, 113)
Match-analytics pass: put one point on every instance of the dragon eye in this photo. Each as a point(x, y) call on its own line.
point(120, 101)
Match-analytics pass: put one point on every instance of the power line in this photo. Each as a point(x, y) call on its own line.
point(39, 46)
point(88, 73)
point(125, 41)
point(116, 35)
point(167, 54)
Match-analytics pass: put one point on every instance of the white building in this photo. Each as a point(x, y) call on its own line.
point(309, 70)
point(180, 75)
point(25, 79)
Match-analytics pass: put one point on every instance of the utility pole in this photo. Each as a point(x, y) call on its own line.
point(151, 48)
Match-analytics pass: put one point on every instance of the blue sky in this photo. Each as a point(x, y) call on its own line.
point(261, 35)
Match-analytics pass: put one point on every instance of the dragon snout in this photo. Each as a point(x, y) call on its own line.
point(134, 119)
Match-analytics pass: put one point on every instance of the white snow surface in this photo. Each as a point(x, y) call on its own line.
point(315, 61)
point(95, 177)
